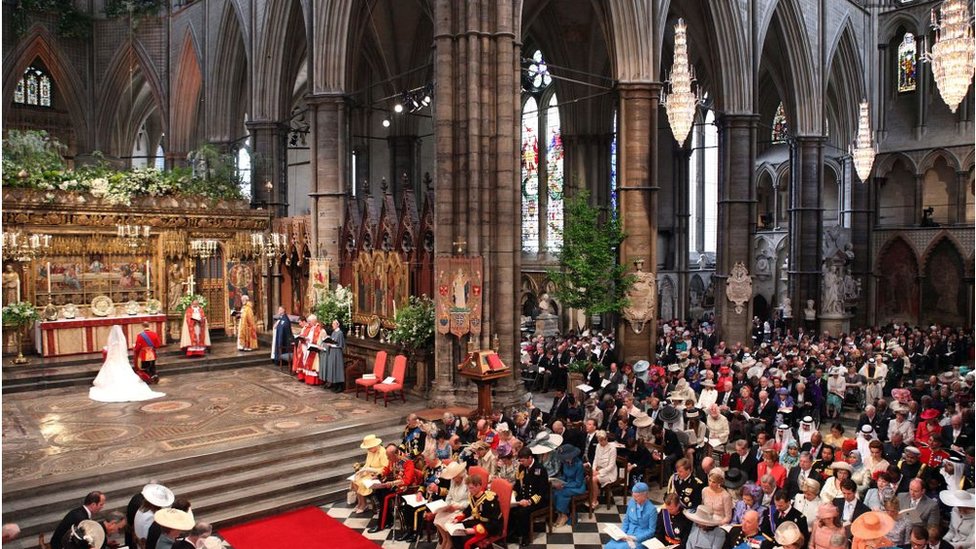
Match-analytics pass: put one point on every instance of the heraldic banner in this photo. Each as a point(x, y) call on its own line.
point(318, 281)
point(459, 286)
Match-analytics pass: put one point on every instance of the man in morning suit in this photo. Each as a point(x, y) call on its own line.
point(849, 506)
point(93, 503)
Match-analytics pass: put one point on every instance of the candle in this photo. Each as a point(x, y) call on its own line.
point(48, 277)
point(147, 275)
point(18, 289)
point(394, 308)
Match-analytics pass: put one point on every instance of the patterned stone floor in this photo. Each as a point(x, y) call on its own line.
point(60, 431)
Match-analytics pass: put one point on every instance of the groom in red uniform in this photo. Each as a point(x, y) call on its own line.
point(144, 351)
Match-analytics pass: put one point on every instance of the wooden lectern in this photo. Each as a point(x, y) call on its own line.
point(483, 368)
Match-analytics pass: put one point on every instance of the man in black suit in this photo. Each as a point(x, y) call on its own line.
point(744, 460)
point(766, 411)
point(956, 436)
point(781, 511)
point(589, 447)
point(803, 470)
point(560, 405)
point(849, 506)
point(93, 503)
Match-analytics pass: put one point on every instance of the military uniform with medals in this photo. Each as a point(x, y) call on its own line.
point(413, 441)
point(737, 539)
point(414, 515)
point(689, 490)
point(672, 529)
point(484, 516)
point(532, 484)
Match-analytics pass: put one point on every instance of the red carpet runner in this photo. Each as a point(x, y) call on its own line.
point(309, 528)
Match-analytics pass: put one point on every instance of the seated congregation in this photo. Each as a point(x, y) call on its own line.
point(747, 446)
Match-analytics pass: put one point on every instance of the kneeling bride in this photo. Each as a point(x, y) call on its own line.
point(116, 381)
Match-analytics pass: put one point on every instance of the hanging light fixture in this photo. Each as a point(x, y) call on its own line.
point(952, 53)
point(863, 150)
point(680, 103)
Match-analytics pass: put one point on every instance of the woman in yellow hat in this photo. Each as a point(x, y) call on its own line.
point(376, 461)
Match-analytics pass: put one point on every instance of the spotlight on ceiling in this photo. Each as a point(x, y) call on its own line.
point(386, 123)
point(398, 108)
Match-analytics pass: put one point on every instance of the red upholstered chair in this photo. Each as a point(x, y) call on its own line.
point(399, 372)
point(379, 368)
point(502, 489)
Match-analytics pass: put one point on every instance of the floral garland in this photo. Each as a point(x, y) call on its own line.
point(336, 305)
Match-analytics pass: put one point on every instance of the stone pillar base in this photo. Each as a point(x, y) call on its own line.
point(835, 324)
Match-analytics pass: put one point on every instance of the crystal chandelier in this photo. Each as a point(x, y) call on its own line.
point(863, 150)
point(133, 234)
point(680, 103)
point(203, 248)
point(952, 53)
point(21, 247)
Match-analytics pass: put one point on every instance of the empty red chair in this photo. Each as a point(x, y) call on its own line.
point(399, 371)
point(379, 368)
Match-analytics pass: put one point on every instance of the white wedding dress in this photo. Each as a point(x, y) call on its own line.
point(116, 381)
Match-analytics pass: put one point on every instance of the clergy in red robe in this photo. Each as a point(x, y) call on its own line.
point(195, 337)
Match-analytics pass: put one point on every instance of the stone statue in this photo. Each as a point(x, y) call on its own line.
point(546, 323)
point(833, 302)
point(174, 280)
point(11, 285)
point(786, 305)
point(810, 313)
point(702, 262)
point(545, 305)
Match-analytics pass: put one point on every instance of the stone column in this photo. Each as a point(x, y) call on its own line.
point(962, 189)
point(637, 184)
point(682, 186)
point(476, 135)
point(269, 157)
point(923, 74)
point(862, 226)
point(328, 142)
point(806, 222)
point(919, 198)
point(736, 219)
point(882, 109)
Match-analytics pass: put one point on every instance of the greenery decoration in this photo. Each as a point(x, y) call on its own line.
point(589, 277)
point(581, 366)
point(33, 159)
point(414, 324)
point(19, 314)
point(186, 300)
point(336, 305)
point(71, 22)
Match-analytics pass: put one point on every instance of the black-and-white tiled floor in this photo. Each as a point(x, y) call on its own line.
point(585, 534)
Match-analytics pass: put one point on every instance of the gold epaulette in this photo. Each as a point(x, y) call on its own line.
point(489, 495)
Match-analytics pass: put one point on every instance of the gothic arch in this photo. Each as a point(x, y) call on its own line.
point(185, 107)
point(845, 87)
point(896, 240)
point(970, 161)
point(39, 44)
point(939, 238)
point(928, 162)
point(887, 163)
point(131, 91)
point(229, 84)
point(274, 69)
point(330, 59)
point(734, 83)
point(899, 22)
point(897, 271)
point(634, 54)
point(943, 287)
point(803, 102)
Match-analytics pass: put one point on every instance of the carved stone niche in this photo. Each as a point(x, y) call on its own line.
point(738, 288)
point(642, 299)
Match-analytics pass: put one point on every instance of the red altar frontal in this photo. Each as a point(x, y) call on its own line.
point(89, 335)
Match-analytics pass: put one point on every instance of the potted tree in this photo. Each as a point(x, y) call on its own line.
point(414, 333)
point(19, 316)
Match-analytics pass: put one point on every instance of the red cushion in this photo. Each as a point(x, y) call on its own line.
point(367, 382)
point(387, 387)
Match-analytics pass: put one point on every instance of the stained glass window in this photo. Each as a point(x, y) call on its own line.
point(34, 88)
point(781, 129)
point(244, 168)
point(554, 178)
point(160, 158)
point(613, 168)
point(535, 73)
point(906, 63)
point(530, 176)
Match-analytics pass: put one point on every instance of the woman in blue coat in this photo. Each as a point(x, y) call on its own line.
point(571, 482)
point(640, 521)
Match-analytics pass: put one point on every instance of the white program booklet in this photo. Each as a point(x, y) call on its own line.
point(584, 387)
point(614, 531)
point(655, 543)
point(390, 380)
point(436, 505)
point(455, 529)
point(414, 500)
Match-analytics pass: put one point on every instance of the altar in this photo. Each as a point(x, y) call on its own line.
point(89, 335)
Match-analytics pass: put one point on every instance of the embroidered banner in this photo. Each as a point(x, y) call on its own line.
point(459, 302)
point(318, 280)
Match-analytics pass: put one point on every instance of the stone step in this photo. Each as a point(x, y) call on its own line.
point(80, 373)
point(295, 471)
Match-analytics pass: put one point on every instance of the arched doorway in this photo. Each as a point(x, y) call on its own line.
point(943, 288)
point(209, 274)
point(897, 294)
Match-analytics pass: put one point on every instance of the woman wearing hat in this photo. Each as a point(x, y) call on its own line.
point(750, 499)
point(87, 534)
point(929, 427)
point(960, 534)
point(870, 531)
point(836, 387)
point(640, 520)
point(571, 483)
point(456, 500)
point(807, 501)
point(875, 460)
point(376, 461)
point(506, 467)
point(173, 523)
point(715, 496)
point(831, 489)
point(789, 536)
point(825, 527)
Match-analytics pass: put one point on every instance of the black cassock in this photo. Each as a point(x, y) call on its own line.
point(282, 340)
